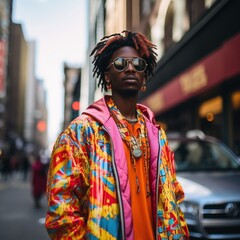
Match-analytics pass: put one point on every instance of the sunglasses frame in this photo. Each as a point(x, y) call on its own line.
point(127, 59)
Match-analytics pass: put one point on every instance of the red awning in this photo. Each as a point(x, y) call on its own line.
point(217, 67)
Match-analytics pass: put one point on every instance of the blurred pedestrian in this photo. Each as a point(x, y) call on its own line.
point(6, 165)
point(25, 165)
point(39, 178)
point(15, 163)
point(112, 174)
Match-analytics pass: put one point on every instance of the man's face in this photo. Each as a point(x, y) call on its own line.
point(129, 80)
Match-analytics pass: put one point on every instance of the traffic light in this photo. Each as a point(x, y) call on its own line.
point(76, 105)
point(41, 126)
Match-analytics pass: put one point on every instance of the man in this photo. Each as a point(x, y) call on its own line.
point(112, 173)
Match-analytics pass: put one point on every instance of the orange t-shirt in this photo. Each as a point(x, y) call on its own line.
point(141, 205)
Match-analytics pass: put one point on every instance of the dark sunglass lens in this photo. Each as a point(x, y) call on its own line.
point(120, 64)
point(139, 64)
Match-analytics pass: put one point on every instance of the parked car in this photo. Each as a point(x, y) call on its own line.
point(210, 176)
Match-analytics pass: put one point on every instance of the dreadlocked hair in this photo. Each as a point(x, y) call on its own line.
point(108, 44)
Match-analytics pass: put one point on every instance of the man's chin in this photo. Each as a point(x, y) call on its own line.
point(129, 92)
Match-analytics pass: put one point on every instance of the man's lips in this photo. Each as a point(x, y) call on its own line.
point(131, 78)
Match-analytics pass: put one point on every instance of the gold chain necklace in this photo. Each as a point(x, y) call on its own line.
point(131, 141)
point(131, 120)
point(133, 144)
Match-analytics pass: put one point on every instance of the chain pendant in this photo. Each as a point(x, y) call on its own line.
point(137, 152)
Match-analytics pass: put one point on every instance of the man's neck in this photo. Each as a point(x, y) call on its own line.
point(126, 104)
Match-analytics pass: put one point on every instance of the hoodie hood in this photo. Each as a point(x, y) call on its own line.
point(99, 110)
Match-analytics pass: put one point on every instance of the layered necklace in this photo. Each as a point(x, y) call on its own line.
point(139, 145)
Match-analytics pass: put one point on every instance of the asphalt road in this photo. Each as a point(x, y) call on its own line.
point(18, 217)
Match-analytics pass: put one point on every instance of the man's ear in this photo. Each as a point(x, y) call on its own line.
point(144, 88)
point(144, 78)
point(107, 77)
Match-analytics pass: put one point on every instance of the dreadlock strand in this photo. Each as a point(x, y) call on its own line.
point(95, 70)
point(101, 46)
point(109, 42)
point(112, 35)
point(96, 49)
point(143, 46)
point(146, 40)
point(150, 45)
point(135, 43)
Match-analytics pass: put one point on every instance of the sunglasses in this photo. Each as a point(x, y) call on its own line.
point(120, 64)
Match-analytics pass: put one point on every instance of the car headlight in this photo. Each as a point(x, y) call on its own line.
point(189, 208)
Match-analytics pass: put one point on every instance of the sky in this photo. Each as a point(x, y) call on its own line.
point(59, 29)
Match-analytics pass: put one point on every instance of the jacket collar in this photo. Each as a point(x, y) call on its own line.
point(99, 110)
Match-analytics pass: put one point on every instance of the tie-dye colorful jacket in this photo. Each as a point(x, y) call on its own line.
point(88, 186)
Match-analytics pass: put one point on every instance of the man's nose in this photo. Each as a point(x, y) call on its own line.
point(130, 66)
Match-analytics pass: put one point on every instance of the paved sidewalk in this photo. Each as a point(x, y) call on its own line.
point(18, 217)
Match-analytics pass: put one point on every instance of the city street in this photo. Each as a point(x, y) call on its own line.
point(18, 217)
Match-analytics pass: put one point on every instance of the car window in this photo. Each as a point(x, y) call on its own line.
point(202, 155)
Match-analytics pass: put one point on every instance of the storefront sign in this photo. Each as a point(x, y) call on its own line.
point(193, 80)
point(156, 102)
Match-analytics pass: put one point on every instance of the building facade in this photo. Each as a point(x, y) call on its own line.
point(196, 82)
point(5, 20)
point(25, 113)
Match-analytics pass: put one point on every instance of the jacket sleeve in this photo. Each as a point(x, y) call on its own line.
point(67, 188)
point(177, 186)
point(179, 193)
